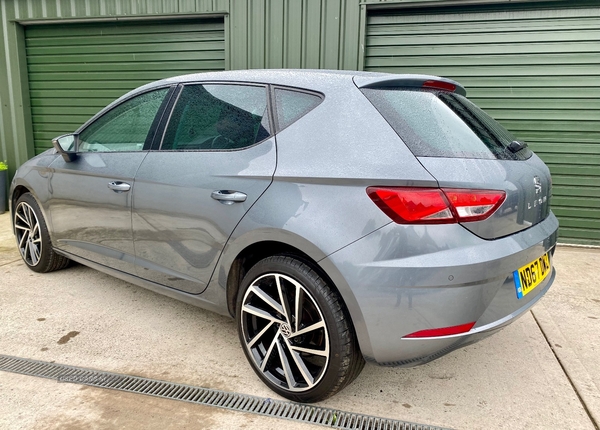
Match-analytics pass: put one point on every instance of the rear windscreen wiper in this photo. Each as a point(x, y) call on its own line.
point(515, 146)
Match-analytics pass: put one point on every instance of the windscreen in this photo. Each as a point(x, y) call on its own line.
point(443, 124)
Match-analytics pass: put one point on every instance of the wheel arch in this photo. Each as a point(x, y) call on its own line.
point(250, 254)
point(17, 191)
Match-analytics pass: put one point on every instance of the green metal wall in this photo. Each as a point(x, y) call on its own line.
point(258, 34)
point(75, 70)
point(333, 33)
point(537, 71)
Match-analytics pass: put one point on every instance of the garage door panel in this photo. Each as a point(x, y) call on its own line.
point(63, 111)
point(551, 126)
point(576, 181)
point(506, 114)
point(75, 31)
point(577, 192)
point(99, 76)
point(514, 17)
point(124, 66)
point(382, 27)
point(589, 207)
point(574, 148)
point(77, 69)
point(124, 47)
point(210, 55)
point(93, 89)
point(71, 102)
point(579, 235)
point(484, 38)
point(179, 37)
point(535, 70)
point(489, 60)
point(508, 71)
point(568, 138)
point(567, 104)
point(474, 49)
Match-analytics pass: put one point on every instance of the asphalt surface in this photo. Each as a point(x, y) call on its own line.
point(541, 372)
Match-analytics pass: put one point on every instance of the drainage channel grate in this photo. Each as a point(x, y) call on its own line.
point(205, 396)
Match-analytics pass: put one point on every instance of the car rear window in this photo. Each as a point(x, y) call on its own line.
point(443, 124)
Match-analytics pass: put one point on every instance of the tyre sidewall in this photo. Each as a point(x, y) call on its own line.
point(320, 292)
point(42, 265)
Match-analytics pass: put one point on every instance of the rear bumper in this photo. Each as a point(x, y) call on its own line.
point(403, 279)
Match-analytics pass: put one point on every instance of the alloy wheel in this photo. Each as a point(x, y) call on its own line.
point(285, 332)
point(29, 235)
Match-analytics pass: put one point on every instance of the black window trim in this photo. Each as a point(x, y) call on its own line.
point(158, 141)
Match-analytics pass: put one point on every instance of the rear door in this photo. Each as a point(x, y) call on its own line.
point(216, 158)
point(90, 203)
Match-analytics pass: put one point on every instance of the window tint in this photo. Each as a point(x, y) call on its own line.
point(125, 127)
point(218, 117)
point(443, 124)
point(292, 105)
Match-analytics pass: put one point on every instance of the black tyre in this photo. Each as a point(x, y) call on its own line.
point(33, 239)
point(295, 330)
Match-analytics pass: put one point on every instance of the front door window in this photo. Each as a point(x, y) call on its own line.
point(125, 127)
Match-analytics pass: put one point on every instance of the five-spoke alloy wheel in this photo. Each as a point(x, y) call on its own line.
point(295, 331)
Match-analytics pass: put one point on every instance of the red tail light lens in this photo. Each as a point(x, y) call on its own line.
point(435, 205)
point(444, 331)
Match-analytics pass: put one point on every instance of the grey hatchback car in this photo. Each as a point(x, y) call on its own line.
point(337, 216)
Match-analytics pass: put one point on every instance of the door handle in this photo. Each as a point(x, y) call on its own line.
point(228, 197)
point(119, 187)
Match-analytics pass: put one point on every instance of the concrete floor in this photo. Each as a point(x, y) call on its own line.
point(541, 372)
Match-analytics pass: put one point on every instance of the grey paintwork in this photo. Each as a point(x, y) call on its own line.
point(179, 229)
point(88, 218)
point(307, 189)
point(525, 205)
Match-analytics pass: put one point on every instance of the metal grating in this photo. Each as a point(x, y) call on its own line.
point(205, 396)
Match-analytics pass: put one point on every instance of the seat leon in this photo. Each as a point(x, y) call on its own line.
point(337, 216)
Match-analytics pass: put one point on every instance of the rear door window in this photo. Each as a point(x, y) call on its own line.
point(443, 124)
point(218, 117)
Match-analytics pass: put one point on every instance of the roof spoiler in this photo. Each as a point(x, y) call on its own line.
point(411, 81)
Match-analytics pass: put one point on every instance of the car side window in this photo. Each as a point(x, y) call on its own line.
point(218, 117)
point(125, 127)
point(291, 105)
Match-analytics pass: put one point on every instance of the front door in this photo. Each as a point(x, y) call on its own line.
point(90, 203)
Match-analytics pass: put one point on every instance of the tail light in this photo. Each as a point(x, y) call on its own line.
point(435, 205)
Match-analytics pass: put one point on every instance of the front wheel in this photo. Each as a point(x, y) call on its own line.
point(295, 330)
point(33, 238)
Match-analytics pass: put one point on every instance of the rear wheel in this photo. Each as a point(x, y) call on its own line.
point(33, 239)
point(295, 330)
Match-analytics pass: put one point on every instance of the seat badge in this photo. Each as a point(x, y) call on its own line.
point(537, 182)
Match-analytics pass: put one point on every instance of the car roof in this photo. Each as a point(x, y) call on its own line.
point(321, 80)
point(305, 78)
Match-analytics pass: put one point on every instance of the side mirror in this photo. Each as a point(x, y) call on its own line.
point(66, 146)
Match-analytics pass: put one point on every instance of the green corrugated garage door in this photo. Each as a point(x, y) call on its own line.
point(77, 69)
point(536, 71)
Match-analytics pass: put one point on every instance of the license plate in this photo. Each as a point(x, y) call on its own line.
point(531, 275)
